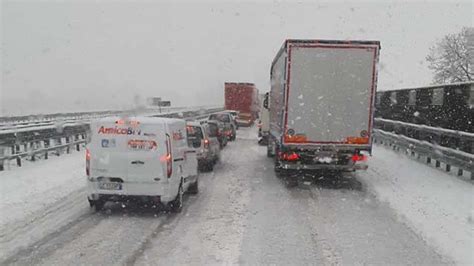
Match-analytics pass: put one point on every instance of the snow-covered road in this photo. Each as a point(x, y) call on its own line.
point(243, 214)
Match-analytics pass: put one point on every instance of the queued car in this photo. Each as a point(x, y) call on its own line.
point(235, 115)
point(219, 129)
point(245, 120)
point(206, 144)
point(229, 123)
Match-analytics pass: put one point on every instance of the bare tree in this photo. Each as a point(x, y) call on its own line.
point(451, 58)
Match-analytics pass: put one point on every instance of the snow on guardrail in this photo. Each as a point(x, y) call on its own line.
point(436, 130)
point(450, 157)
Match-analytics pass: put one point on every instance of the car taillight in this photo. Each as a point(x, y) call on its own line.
point(206, 144)
point(168, 158)
point(88, 162)
point(359, 158)
point(289, 156)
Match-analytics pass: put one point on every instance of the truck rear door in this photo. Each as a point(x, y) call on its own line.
point(129, 152)
point(330, 93)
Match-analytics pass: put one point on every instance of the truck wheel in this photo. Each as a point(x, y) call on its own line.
point(177, 204)
point(276, 165)
point(194, 187)
point(270, 153)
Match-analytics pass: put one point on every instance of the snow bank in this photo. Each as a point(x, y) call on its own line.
point(33, 187)
point(435, 204)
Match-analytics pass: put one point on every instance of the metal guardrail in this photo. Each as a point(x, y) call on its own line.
point(433, 130)
point(35, 142)
point(33, 154)
point(450, 157)
point(463, 141)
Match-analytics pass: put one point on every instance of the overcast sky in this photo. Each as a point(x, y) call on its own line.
point(79, 56)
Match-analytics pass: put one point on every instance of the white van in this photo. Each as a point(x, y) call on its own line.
point(146, 158)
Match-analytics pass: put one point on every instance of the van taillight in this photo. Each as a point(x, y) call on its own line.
point(206, 143)
point(169, 163)
point(88, 162)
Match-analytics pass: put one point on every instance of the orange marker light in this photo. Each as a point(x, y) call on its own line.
point(296, 138)
point(357, 140)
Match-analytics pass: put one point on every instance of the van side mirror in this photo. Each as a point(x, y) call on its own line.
point(265, 101)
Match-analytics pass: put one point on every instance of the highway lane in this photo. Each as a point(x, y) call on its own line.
point(243, 214)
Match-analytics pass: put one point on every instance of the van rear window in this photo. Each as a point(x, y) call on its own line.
point(195, 135)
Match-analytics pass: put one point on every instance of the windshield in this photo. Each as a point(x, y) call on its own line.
point(236, 132)
point(213, 130)
point(220, 117)
point(194, 134)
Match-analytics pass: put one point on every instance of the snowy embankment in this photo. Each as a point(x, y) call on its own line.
point(27, 190)
point(435, 204)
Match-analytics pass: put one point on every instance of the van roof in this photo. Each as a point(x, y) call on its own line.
point(193, 123)
point(141, 119)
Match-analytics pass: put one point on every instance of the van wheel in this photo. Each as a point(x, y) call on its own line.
point(177, 204)
point(194, 187)
point(210, 166)
point(97, 204)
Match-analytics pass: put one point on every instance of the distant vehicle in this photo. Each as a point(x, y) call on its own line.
point(321, 105)
point(264, 122)
point(242, 97)
point(235, 115)
point(204, 139)
point(226, 118)
point(142, 158)
point(245, 120)
point(220, 128)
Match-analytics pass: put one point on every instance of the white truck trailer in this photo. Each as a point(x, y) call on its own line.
point(264, 125)
point(321, 104)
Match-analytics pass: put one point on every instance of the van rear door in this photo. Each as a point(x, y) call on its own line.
point(131, 152)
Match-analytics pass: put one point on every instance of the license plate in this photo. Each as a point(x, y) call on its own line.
point(110, 186)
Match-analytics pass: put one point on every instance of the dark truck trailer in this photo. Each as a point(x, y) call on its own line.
point(242, 97)
point(321, 104)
